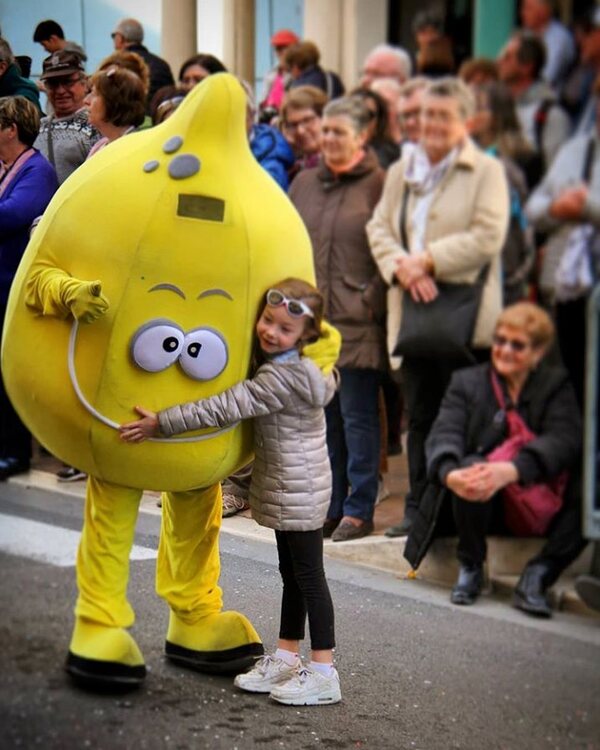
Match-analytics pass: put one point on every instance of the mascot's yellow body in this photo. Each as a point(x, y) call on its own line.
point(142, 284)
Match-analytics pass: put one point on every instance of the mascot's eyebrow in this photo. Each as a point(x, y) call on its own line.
point(211, 292)
point(167, 288)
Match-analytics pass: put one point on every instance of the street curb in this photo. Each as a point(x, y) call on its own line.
point(507, 556)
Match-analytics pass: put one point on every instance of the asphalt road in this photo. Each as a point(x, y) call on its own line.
point(416, 672)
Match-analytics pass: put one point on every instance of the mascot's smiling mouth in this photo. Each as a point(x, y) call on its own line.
point(115, 425)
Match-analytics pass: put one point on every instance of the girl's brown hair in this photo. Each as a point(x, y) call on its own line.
point(301, 290)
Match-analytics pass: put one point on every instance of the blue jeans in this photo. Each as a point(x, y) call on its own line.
point(353, 441)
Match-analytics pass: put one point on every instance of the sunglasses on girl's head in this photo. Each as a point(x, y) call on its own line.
point(514, 344)
point(295, 307)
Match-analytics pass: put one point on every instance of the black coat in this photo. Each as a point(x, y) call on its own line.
point(470, 424)
point(160, 72)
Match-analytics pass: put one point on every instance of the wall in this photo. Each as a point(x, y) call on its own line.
point(87, 22)
point(272, 15)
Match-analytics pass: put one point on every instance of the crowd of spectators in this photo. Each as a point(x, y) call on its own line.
point(426, 174)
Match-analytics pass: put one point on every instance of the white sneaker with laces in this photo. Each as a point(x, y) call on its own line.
point(268, 672)
point(233, 504)
point(307, 687)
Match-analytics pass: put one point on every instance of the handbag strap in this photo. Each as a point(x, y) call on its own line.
point(50, 143)
point(404, 206)
point(497, 388)
point(588, 160)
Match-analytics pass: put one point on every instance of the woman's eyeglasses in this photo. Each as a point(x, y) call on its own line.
point(515, 344)
point(304, 122)
point(295, 307)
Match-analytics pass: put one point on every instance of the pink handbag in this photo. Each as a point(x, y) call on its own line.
point(528, 509)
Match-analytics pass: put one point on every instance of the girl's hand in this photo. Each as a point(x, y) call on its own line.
point(136, 432)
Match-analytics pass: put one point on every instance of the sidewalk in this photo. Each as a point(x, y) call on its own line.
point(506, 557)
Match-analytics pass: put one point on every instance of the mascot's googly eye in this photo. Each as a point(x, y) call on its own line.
point(204, 354)
point(156, 345)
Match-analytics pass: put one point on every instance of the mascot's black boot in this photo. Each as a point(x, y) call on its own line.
point(221, 643)
point(104, 659)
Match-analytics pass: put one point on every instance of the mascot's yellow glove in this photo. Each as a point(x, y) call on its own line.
point(52, 291)
point(326, 350)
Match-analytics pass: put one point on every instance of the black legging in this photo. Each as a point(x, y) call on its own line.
point(305, 589)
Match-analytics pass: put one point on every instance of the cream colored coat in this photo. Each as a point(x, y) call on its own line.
point(466, 228)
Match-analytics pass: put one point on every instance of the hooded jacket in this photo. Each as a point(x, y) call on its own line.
point(291, 478)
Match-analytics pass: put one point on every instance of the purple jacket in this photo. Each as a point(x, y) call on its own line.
point(25, 198)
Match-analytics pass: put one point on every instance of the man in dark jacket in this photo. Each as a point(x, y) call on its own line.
point(129, 35)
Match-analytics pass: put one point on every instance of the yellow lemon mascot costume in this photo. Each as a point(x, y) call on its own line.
point(144, 278)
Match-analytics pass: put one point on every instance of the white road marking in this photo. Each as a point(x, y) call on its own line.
point(46, 543)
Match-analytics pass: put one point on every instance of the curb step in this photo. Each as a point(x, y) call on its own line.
point(507, 557)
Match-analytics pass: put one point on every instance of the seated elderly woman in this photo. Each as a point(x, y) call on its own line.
point(472, 422)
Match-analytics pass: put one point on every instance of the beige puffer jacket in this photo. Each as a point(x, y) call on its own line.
point(291, 479)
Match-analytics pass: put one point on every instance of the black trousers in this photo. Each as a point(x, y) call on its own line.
point(15, 438)
point(424, 382)
point(305, 589)
point(564, 539)
point(571, 325)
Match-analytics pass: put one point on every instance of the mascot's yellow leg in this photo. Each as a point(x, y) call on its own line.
point(200, 635)
point(102, 653)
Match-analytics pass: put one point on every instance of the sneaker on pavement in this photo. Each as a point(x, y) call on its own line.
point(307, 687)
point(267, 673)
point(233, 504)
point(70, 474)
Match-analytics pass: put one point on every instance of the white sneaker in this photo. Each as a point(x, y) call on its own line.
point(233, 504)
point(307, 687)
point(268, 672)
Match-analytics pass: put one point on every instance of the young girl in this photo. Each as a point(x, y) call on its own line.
point(291, 482)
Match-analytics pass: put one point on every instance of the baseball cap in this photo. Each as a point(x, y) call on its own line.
point(283, 38)
point(62, 63)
